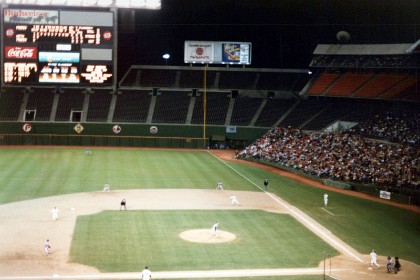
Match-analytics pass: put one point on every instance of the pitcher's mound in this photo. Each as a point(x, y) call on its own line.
point(206, 236)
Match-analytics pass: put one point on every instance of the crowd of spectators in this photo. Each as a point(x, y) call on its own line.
point(340, 156)
point(395, 127)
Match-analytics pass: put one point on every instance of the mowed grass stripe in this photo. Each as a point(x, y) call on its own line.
point(37, 172)
point(116, 241)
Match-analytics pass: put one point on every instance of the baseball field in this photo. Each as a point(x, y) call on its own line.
point(282, 233)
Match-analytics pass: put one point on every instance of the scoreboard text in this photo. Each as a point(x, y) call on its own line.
point(49, 49)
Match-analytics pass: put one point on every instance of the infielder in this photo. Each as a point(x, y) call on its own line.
point(373, 257)
point(107, 187)
point(325, 200)
point(123, 203)
point(54, 213)
point(234, 200)
point(214, 230)
point(146, 274)
point(47, 247)
point(219, 186)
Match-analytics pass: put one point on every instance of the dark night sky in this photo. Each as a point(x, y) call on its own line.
point(283, 33)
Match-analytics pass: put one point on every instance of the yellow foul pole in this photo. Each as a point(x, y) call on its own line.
point(204, 105)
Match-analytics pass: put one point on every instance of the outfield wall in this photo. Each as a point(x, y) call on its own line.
point(131, 135)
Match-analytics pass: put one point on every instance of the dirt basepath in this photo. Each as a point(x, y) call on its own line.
point(25, 225)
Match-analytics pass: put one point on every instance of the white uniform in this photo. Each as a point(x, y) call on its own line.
point(373, 259)
point(219, 186)
point(146, 274)
point(234, 200)
point(47, 247)
point(107, 187)
point(214, 230)
point(54, 213)
point(325, 199)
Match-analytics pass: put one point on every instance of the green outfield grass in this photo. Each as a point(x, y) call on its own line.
point(27, 173)
point(118, 241)
point(39, 172)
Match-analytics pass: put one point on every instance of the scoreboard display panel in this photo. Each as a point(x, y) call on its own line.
point(57, 47)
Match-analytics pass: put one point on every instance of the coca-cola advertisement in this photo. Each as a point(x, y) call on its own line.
point(20, 52)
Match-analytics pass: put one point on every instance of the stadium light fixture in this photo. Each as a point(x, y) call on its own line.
point(166, 56)
point(131, 4)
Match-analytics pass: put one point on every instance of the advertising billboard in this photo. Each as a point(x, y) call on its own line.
point(217, 52)
point(199, 52)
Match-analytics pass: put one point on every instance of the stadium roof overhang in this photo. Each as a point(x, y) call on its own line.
point(126, 4)
point(365, 49)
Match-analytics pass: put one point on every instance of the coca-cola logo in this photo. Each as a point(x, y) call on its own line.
point(21, 53)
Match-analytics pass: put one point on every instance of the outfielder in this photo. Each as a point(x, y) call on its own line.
point(54, 213)
point(325, 200)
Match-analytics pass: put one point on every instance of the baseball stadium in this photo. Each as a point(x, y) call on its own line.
point(221, 159)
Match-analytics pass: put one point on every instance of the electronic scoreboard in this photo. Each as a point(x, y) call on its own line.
point(47, 47)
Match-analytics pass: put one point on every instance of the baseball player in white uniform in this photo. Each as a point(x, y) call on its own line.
point(47, 247)
point(373, 257)
point(146, 274)
point(107, 187)
point(234, 200)
point(214, 230)
point(54, 213)
point(219, 186)
point(325, 200)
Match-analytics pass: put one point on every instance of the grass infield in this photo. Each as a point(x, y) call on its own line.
point(119, 241)
point(28, 173)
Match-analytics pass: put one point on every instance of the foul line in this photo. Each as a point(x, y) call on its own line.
point(300, 216)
